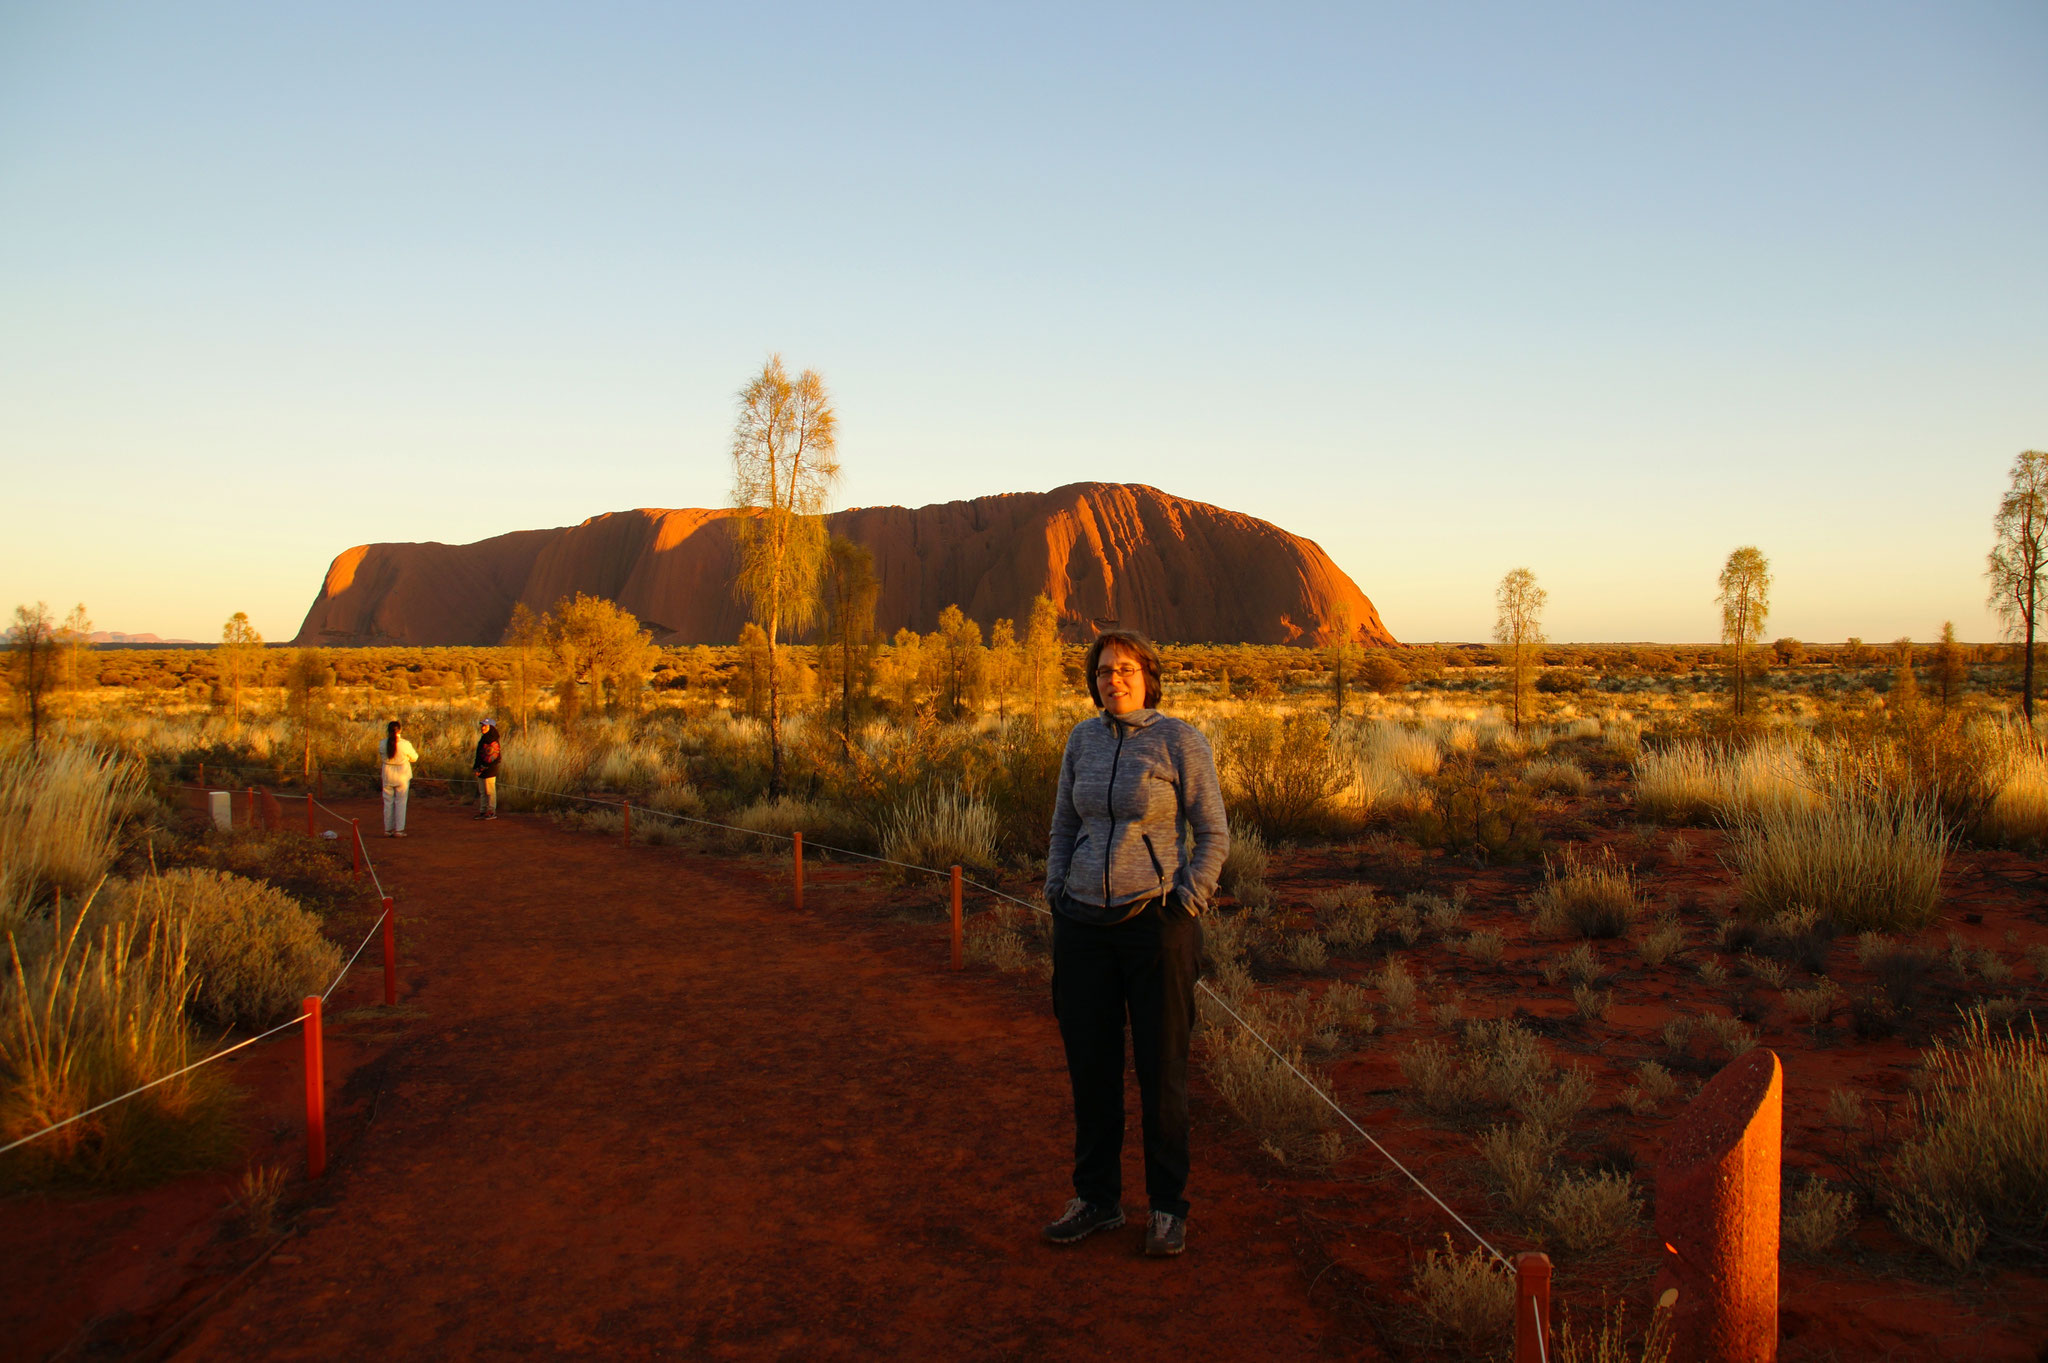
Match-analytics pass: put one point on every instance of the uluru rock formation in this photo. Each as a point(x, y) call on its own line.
point(1181, 571)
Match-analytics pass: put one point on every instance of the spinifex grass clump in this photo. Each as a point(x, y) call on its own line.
point(1866, 859)
point(941, 828)
point(96, 1013)
point(2017, 773)
point(61, 808)
point(1979, 1158)
point(540, 767)
point(1689, 782)
point(1590, 897)
point(1468, 1296)
point(1289, 1120)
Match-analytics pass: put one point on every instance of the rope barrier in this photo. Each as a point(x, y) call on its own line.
point(333, 984)
point(1312, 1087)
point(59, 1126)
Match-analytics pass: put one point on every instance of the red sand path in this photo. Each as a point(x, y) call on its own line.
point(644, 1109)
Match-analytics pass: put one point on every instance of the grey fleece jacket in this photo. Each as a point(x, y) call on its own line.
point(1132, 790)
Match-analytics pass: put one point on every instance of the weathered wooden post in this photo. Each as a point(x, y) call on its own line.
point(1717, 1215)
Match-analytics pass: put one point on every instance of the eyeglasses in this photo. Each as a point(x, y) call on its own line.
point(1126, 672)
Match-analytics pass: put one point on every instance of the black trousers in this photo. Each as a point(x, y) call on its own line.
point(1142, 969)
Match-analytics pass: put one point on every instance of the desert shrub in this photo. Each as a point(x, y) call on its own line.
point(1593, 897)
point(1556, 776)
point(1486, 948)
point(1899, 968)
point(1728, 1034)
point(1397, 988)
point(628, 767)
point(1653, 1086)
point(1846, 1109)
point(1468, 1296)
point(1290, 1120)
point(941, 828)
point(1817, 1004)
point(254, 1204)
point(1002, 937)
point(1438, 914)
point(1404, 921)
point(1023, 782)
point(97, 1014)
point(1816, 1217)
point(1244, 866)
point(1661, 943)
point(1305, 951)
point(1224, 937)
point(1978, 1157)
point(1775, 974)
point(1713, 974)
point(1281, 775)
point(1517, 1161)
point(1863, 859)
point(1495, 1064)
point(1344, 1008)
point(1591, 1003)
point(61, 810)
point(253, 951)
point(1608, 1341)
point(1465, 808)
point(1591, 1211)
point(1351, 915)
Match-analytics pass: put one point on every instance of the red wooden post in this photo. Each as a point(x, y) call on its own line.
point(255, 819)
point(316, 1092)
point(390, 954)
point(356, 827)
point(1532, 1308)
point(799, 864)
point(202, 775)
point(956, 918)
point(626, 806)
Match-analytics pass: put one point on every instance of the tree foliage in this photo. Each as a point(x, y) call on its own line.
point(1518, 631)
point(239, 656)
point(2019, 560)
point(784, 465)
point(35, 659)
point(1745, 602)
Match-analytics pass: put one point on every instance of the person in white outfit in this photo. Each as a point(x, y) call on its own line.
point(395, 757)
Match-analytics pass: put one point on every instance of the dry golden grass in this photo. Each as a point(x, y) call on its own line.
point(1979, 1155)
point(1863, 859)
point(1468, 1296)
point(1587, 896)
point(61, 811)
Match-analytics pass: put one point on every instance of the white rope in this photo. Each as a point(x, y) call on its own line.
point(58, 1126)
point(359, 951)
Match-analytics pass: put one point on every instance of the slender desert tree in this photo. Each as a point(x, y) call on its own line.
point(2019, 561)
point(850, 594)
point(1041, 661)
point(784, 464)
point(1004, 661)
point(1518, 630)
point(77, 635)
point(33, 640)
point(1745, 602)
point(306, 696)
point(525, 637)
point(1341, 651)
point(239, 657)
point(964, 661)
point(1949, 669)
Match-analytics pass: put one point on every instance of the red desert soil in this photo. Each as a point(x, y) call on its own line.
point(638, 1107)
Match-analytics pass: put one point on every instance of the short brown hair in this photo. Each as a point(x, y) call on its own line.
point(1139, 647)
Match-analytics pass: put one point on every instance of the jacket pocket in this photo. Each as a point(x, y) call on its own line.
point(1153, 852)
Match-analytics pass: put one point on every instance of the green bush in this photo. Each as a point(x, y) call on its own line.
point(1281, 776)
point(254, 952)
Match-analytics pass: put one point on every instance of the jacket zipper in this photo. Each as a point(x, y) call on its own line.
point(1110, 850)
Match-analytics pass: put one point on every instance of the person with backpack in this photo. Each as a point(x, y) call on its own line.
point(395, 757)
point(489, 753)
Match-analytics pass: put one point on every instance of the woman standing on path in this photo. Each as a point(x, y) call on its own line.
point(1135, 789)
point(489, 752)
point(395, 757)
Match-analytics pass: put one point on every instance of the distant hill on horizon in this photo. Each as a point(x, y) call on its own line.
point(1180, 571)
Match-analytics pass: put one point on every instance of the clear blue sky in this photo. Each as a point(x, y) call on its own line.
point(1602, 290)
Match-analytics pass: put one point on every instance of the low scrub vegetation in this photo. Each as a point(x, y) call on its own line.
point(1863, 859)
point(1586, 896)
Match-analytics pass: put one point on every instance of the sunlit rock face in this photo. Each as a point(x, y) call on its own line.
point(1181, 571)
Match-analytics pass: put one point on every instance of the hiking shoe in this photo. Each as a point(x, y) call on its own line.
point(1166, 1235)
point(492, 815)
point(1082, 1219)
point(480, 816)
